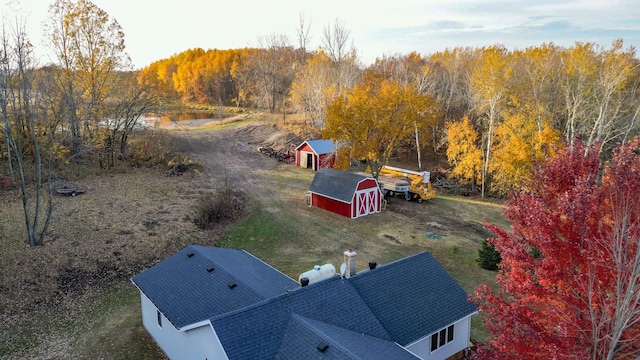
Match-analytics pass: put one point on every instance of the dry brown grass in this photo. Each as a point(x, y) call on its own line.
point(121, 224)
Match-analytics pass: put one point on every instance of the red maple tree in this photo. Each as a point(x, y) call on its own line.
point(569, 280)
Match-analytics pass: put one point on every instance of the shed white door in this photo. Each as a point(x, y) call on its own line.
point(367, 202)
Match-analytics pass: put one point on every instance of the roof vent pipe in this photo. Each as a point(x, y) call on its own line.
point(304, 281)
point(372, 265)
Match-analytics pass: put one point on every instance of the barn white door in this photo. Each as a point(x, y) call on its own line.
point(366, 202)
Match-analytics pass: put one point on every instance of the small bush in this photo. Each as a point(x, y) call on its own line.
point(149, 148)
point(488, 257)
point(223, 205)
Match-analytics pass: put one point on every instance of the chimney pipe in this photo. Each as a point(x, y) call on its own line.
point(304, 281)
point(372, 265)
point(350, 262)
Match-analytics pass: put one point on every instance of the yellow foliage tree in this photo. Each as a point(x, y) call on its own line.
point(519, 141)
point(463, 152)
point(488, 83)
point(371, 121)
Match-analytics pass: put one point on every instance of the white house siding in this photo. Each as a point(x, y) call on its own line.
point(461, 334)
point(198, 343)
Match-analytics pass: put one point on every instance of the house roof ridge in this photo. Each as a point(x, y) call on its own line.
point(314, 329)
point(269, 300)
point(391, 263)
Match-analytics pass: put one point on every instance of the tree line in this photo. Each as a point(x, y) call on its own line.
point(491, 111)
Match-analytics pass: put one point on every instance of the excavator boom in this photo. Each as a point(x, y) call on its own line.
point(420, 181)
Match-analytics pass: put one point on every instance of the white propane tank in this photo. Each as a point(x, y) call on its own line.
point(318, 273)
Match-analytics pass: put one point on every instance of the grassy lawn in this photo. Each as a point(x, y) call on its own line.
point(106, 324)
point(292, 237)
point(130, 221)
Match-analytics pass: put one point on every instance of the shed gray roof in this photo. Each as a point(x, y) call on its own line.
point(196, 283)
point(339, 185)
point(320, 146)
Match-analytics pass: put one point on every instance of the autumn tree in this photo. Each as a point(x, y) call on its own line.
point(128, 102)
point(409, 69)
point(275, 67)
point(488, 82)
point(327, 73)
point(303, 37)
point(245, 75)
point(372, 120)
point(29, 138)
point(89, 48)
point(536, 82)
point(157, 78)
point(338, 45)
point(569, 280)
point(599, 96)
point(451, 71)
point(448, 75)
point(463, 152)
point(314, 87)
point(520, 139)
point(185, 77)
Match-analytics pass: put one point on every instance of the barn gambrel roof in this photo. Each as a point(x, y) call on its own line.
point(339, 185)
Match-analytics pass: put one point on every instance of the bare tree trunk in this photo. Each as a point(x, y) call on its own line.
point(418, 146)
point(19, 67)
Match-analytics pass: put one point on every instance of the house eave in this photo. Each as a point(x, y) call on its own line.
point(195, 325)
point(428, 335)
point(331, 197)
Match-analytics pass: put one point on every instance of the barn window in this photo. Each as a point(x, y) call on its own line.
point(159, 314)
point(441, 338)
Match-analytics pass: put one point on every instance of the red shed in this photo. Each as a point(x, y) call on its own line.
point(316, 154)
point(345, 193)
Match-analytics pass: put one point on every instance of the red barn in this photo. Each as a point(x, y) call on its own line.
point(316, 154)
point(345, 193)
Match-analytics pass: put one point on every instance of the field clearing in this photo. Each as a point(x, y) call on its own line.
point(72, 298)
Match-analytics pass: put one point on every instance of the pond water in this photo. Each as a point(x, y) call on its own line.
point(153, 119)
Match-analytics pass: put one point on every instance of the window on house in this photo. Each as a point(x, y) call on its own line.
point(159, 318)
point(441, 338)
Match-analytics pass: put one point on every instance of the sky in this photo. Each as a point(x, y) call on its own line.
point(158, 29)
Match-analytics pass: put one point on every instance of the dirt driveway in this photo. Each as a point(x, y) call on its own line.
point(232, 155)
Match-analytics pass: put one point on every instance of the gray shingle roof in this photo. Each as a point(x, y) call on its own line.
point(339, 185)
point(412, 297)
point(306, 338)
point(364, 317)
point(400, 302)
point(257, 331)
point(196, 283)
point(321, 146)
